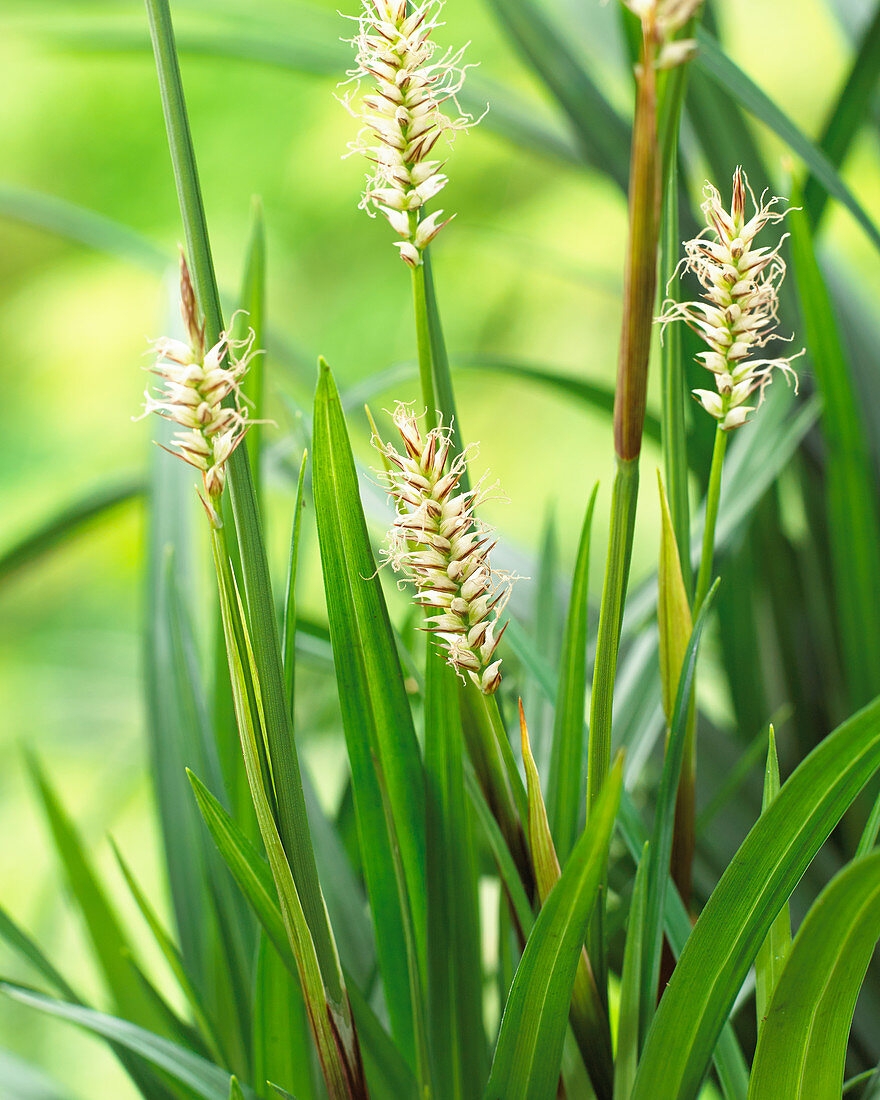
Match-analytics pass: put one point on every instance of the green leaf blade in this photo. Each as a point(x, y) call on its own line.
point(387, 774)
point(565, 781)
point(802, 1045)
point(529, 1050)
point(742, 907)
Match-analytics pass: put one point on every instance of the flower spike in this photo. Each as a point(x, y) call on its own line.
point(403, 116)
point(740, 302)
point(438, 542)
point(196, 384)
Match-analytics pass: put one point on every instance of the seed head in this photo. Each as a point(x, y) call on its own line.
point(739, 308)
point(196, 384)
point(438, 542)
point(403, 116)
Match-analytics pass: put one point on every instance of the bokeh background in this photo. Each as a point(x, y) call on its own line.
point(530, 269)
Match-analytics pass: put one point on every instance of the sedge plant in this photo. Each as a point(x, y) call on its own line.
point(483, 915)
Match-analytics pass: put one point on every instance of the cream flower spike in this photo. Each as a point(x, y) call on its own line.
point(739, 309)
point(441, 546)
point(403, 117)
point(196, 384)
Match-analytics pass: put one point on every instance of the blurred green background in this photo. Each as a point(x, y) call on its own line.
point(530, 269)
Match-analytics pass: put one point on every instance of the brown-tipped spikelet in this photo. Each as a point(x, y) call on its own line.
point(739, 308)
point(444, 549)
point(403, 117)
point(196, 383)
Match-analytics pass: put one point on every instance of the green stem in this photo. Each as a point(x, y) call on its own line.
point(713, 499)
point(623, 513)
point(423, 342)
point(673, 389)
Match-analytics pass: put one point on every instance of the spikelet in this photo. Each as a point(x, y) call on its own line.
point(441, 546)
point(402, 115)
point(196, 383)
point(739, 309)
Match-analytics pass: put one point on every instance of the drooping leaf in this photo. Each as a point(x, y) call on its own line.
point(847, 114)
point(204, 1078)
point(602, 134)
point(713, 61)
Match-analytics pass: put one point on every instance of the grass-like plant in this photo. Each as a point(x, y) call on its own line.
point(508, 907)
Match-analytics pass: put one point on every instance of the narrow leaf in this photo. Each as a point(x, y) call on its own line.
point(602, 134)
point(847, 115)
point(455, 986)
point(664, 815)
point(529, 1051)
point(565, 786)
point(204, 1078)
point(589, 1019)
point(713, 61)
point(387, 776)
point(325, 996)
point(110, 945)
point(628, 1029)
point(774, 950)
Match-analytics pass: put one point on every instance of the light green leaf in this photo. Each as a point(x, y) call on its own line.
point(673, 608)
point(384, 1062)
point(282, 1040)
point(847, 115)
point(802, 1045)
point(26, 1082)
point(529, 1051)
point(745, 903)
point(324, 993)
point(289, 803)
point(660, 850)
point(111, 946)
